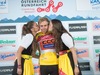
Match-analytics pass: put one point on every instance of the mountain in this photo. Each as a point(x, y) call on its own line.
point(6, 21)
point(96, 18)
point(23, 19)
point(47, 17)
point(62, 18)
point(89, 18)
point(31, 17)
point(52, 16)
point(36, 18)
point(77, 18)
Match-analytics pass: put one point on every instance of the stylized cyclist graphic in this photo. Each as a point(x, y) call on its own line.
point(51, 4)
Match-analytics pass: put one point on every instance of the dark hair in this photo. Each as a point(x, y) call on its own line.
point(27, 28)
point(58, 30)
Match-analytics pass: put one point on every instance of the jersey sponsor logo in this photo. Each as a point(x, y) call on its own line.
point(47, 44)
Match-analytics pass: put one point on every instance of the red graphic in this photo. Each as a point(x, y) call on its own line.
point(45, 44)
point(51, 4)
point(61, 72)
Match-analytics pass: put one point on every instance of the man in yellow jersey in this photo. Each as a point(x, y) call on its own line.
point(48, 58)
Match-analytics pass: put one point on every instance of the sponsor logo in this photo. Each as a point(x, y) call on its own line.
point(42, 5)
point(7, 29)
point(7, 42)
point(45, 44)
point(50, 5)
point(96, 26)
point(97, 51)
point(90, 5)
point(95, 2)
point(32, 3)
point(7, 56)
point(5, 70)
point(77, 27)
point(3, 7)
point(80, 40)
point(2, 2)
point(82, 53)
point(85, 66)
point(96, 39)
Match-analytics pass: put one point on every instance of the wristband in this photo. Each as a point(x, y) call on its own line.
point(19, 66)
point(76, 65)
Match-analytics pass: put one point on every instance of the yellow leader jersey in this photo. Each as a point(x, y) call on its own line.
point(47, 48)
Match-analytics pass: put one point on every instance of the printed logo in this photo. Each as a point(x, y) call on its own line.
point(96, 39)
point(51, 4)
point(80, 40)
point(97, 50)
point(8, 43)
point(77, 27)
point(85, 66)
point(82, 53)
point(96, 26)
point(45, 44)
point(7, 29)
point(89, 4)
point(7, 56)
point(5, 70)
point(42, 5)
point(95, 2)
point(3, 6)
point(2, 2)
point(33, 3)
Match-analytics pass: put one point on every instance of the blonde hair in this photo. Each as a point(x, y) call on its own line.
point(43, 19)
